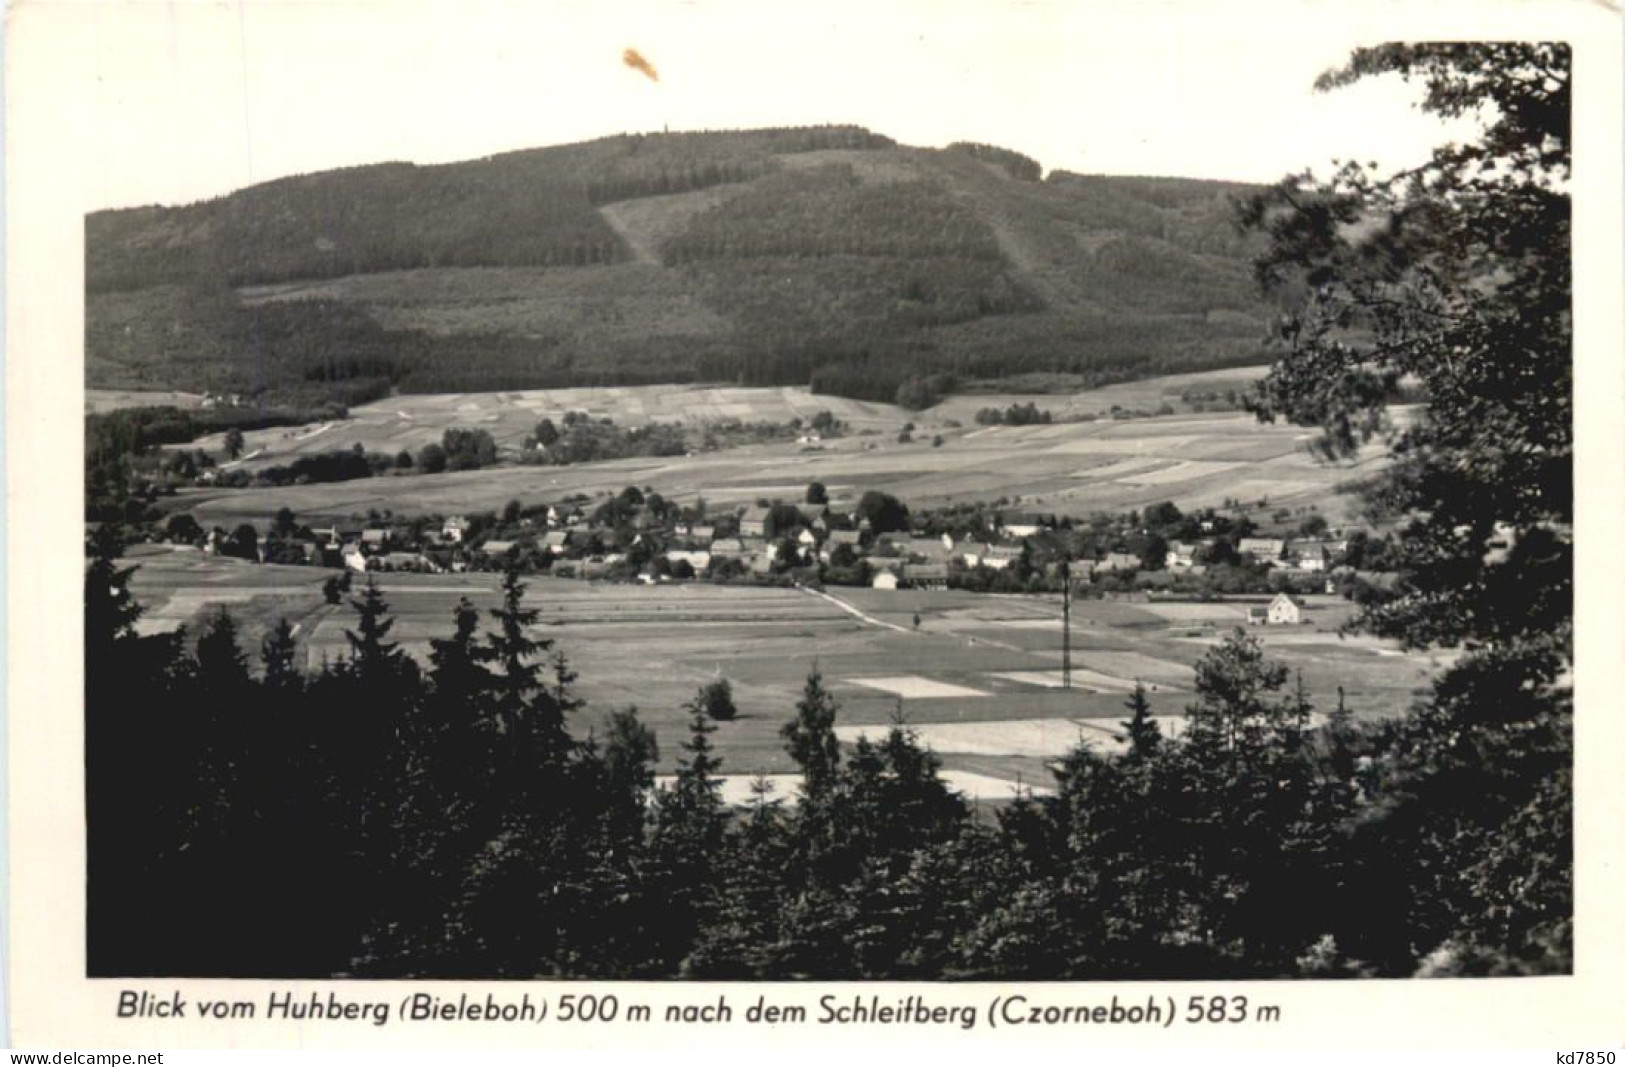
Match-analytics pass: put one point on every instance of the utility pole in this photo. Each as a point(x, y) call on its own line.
point(1066, 624)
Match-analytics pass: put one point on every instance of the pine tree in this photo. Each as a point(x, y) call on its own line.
point(374, 661)
point(1144, 735)
point(278, 652)
point(529, 717)
point(810, 737)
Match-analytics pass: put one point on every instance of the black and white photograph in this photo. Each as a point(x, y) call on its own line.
point(1002, 493)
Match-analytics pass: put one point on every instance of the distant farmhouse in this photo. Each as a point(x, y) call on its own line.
point(1284, 610)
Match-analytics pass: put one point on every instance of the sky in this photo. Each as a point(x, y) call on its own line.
point(188, 100)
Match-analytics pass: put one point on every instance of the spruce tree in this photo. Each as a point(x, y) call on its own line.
point(1144, 735)
point(278, 652)
point(810, 737)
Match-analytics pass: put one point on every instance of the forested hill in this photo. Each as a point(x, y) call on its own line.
point(827, 255)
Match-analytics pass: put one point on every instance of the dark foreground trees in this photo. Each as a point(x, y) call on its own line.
point(462, 819)
point(1454, 280)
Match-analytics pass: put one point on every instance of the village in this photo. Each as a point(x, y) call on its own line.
point(640, 537)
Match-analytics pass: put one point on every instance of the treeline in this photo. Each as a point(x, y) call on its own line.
point(460, 827)
point(1027, 414)
point(133, 431)
point(587, 440)
point(392, 216)
point(1018, 166)
point(529, 208)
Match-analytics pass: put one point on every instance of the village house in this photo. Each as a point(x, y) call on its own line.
point(497, 549)
point(454, 529)
point(1119, 561)
point(1181, 555)
point(927, 575)
point(415, 562)
point(971, 553)
point(554, 542)
point(850, 538)
point(930, 549)
point(998, 557)
point(884, 578)
point(699, 559)
point(354, 558)
point(1285, 610)
point(1263, 549)
point(702, 535)
point(1311, 556)
point(753, 521)
point(377, 540)
point(727, 548)
point(1023, 524)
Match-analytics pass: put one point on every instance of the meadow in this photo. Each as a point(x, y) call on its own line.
point(979, 678)
point(1077, 468)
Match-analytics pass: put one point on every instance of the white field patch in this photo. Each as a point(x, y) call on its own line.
point(739, 790)
point(1034, 738)
point(1194, 612)
point(913, 687)
point(1031, 738)
point(1082, 678)
point(1028, 624)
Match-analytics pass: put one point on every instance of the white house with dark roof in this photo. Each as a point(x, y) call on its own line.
point(454, 529)
point(1285, 610)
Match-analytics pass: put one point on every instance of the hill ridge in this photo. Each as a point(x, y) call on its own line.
point(826, 255)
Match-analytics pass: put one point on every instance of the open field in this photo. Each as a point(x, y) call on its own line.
point(411, 421)
point(1147, 394)
point(1073, 468)
point(101, 401)
point(977, 679)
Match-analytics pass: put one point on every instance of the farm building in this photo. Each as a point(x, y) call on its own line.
point(454, 529)
point(1181, 555)
point(699, 559)
point(927, 576)
point(1263, 549)
point(998, 557)
point(928, 548)
point(354, 558)
point(1258, 615)
point(1284, 610)
point(753, 523)
point(1023, 524)
point(703, 535)
point(729, 547)
point(1118, 561)
point(971, 553)
point(497, 549)
point(375, 538)
point(885, 579)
